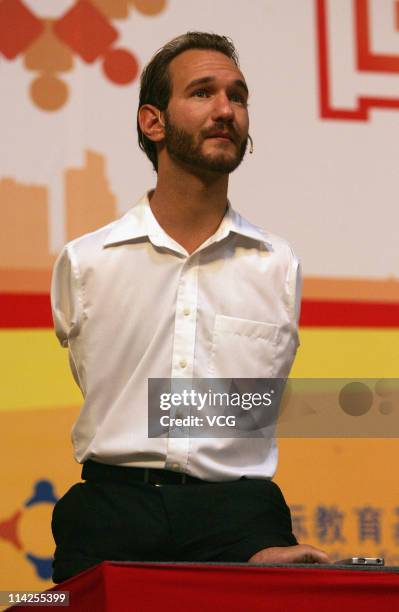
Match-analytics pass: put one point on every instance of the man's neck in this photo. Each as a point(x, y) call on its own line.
point(189, 207)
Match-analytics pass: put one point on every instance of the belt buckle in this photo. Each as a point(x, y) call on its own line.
point(147, 479)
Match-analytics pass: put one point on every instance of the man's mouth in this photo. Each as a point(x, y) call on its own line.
point(221, 135)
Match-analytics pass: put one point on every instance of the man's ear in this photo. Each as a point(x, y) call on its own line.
point(151, 122)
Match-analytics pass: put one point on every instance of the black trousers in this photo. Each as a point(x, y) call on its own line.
point(102, 519)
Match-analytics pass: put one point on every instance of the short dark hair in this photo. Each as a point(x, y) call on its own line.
point(155, 83)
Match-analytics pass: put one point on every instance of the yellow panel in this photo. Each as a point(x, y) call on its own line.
point(37, 448)
point(347, 353)
point(343, 477)
point(34, 371)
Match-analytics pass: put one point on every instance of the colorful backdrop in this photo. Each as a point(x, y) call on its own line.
point(324, 108)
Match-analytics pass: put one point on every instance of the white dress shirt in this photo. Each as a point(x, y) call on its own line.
point(131, 304)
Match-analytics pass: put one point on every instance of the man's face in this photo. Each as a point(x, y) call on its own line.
point(206, 123)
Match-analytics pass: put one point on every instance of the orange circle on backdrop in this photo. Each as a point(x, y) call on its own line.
point(48, 92)
point(150, 7)
point(120, 66)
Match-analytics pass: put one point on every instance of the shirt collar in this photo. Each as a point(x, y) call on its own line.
point(140, 222)
point(131, 226)
point(237, 224)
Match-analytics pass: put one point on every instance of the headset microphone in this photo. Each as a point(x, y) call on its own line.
point(251, 144)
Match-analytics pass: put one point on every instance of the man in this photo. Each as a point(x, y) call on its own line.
point(181, 286)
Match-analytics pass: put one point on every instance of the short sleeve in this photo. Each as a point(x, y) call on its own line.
point(66, 299)
point(294, 283)
point(298, 290)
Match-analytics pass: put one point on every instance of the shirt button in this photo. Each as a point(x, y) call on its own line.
point(182, 363)
point(186, 311)
point(175, 466)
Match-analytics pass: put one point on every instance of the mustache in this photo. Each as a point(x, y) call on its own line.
point(221, 130)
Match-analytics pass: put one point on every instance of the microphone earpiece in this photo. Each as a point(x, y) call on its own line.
point(251, 144)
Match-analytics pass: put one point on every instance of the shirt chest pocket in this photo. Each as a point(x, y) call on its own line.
point(242, 348)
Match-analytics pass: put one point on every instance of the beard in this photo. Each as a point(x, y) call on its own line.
point(182, 147)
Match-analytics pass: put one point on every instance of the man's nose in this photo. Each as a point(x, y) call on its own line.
point(223, 108)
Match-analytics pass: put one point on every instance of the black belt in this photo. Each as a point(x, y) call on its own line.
point(115, 473)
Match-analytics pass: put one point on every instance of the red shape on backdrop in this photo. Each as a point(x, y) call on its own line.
point(33, 310)
point(18, 28)
point(120, 66)
point(373, 62)
point(335, 313)
point(9, 530)
point(368, 60)
point(25, 311)
point(85, 30)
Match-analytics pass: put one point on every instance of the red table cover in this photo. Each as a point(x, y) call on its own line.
point(145, 587)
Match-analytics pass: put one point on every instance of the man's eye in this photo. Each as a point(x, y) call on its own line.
point(238, 99)
point(201, 93)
